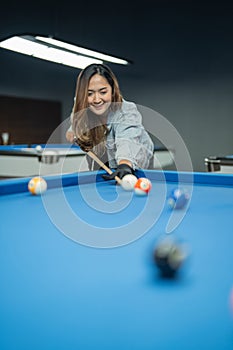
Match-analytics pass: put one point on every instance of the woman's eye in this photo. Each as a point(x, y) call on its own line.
point(91, 93)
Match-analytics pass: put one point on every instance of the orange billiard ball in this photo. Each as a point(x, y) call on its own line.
point(37, 185)
point(142, 186)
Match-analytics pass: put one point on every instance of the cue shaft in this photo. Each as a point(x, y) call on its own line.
point(103, 166)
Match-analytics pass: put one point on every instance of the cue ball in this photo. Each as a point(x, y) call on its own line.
point(178, 198)
point(168, 257)
point(142, 186)
point(37, 185)
point(38, 148)
point(128, 182)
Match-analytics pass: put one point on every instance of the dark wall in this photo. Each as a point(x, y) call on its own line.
point(182, 53)
point(28, 121)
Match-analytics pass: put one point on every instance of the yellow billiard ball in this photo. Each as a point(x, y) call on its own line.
point(37, 185)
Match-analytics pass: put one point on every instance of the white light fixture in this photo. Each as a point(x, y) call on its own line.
point(57, 51)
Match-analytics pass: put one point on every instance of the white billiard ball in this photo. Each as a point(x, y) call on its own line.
point(38, 148)
point(128, 182)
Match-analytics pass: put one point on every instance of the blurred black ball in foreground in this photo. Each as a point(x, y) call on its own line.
point(169, 257)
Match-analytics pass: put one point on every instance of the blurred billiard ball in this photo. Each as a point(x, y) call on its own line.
point(37, 185)
point(178, 198)
point(169, 256)
point(38, 148)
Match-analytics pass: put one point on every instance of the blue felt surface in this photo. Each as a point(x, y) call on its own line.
point(58, 294)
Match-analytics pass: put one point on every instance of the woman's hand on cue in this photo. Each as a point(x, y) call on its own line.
point(122, 170)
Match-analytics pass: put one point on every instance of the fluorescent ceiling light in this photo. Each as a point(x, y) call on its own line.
point(57, 51)
point(83, 51)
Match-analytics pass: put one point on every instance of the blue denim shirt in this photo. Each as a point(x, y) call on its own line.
point(127, 137)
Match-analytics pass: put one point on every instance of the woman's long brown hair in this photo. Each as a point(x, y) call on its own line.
point(89, 129)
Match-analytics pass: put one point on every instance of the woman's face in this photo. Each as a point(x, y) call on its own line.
point(99, 94)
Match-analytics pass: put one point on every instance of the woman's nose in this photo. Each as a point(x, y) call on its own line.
point(97, 98)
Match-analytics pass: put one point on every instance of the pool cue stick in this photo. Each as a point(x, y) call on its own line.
point(103, 166)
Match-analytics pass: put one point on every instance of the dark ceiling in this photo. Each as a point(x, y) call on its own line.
point(163, 38)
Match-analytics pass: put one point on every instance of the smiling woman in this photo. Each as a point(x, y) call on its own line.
point(99, 94)
point(102, 121)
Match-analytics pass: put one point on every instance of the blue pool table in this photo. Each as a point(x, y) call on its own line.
point(25, 160)
point(77, 272)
